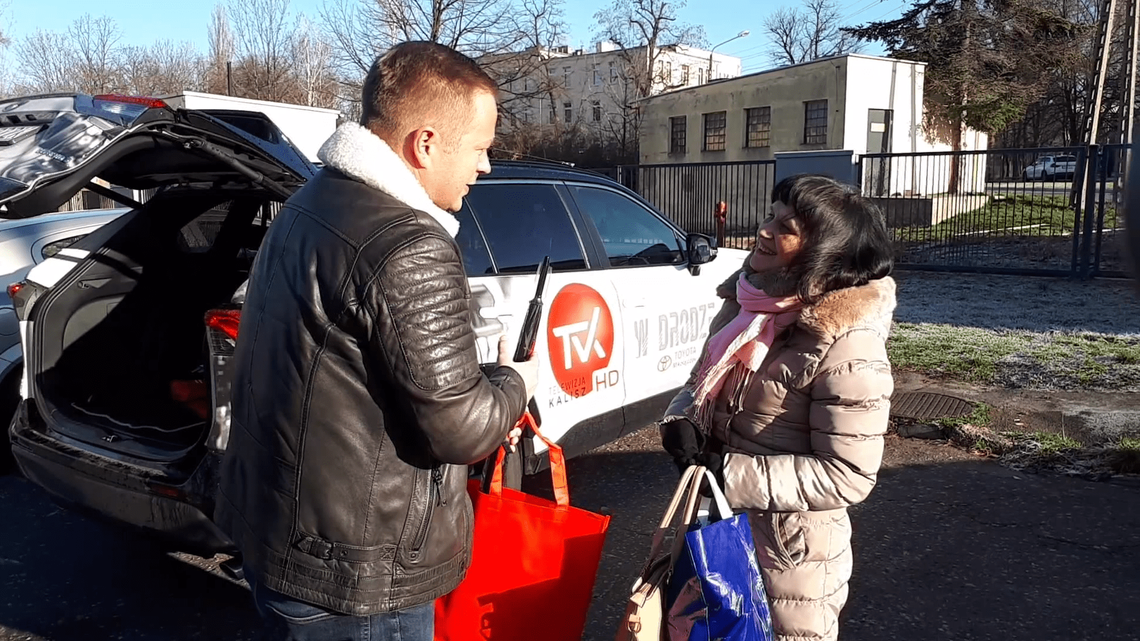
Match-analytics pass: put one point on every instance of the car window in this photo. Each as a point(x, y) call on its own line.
point(631, 234)
point(524, 223)
point(476, 258)
point(51, 249)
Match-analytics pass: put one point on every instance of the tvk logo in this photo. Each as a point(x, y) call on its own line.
point(580, 339)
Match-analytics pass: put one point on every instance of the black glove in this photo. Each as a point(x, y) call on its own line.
point(683, 441)
point(715, 464)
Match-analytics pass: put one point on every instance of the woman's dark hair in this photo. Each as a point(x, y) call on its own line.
point(846, 243)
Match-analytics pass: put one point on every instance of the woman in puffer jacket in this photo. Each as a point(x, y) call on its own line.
point(789, 403)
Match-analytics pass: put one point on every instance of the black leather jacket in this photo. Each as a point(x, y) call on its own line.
point(358, 403)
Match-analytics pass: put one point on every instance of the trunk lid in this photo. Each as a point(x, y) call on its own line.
point(53, 146)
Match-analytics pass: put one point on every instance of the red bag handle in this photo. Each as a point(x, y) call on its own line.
point(557, 465)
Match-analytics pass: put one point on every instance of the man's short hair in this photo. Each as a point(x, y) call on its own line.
point(421, 83)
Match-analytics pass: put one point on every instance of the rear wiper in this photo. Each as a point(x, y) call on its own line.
point(228, 157)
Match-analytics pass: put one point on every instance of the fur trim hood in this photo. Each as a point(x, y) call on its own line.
point(360, 154)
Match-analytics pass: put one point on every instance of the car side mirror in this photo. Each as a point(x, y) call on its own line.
point(700, 249)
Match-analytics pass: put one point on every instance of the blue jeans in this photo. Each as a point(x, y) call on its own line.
point(287, 619)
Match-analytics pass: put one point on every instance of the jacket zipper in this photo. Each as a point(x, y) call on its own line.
point(434, 498)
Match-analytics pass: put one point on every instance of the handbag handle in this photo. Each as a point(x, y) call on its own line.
point(719, 500)
point(679, 494)
point(557, 465)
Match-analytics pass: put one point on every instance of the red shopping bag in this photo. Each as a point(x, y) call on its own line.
point(533, 564)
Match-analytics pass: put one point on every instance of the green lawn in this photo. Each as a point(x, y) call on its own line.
point(1012, 215)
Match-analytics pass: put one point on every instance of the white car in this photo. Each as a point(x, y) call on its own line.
point(1051, 168)
point(128, 332)
point(23, 244)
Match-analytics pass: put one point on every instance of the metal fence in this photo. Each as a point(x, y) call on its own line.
point(689, 193)
point(1046, 211)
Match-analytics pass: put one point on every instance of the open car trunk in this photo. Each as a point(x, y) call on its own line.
point(121, 354)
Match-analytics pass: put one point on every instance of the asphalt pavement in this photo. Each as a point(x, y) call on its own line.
point(947, 547)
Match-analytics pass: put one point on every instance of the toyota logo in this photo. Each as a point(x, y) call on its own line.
point(664, 363)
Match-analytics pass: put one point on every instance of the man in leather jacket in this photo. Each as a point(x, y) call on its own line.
point(358, 400)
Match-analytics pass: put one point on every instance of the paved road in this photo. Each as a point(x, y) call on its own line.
point(954, 549)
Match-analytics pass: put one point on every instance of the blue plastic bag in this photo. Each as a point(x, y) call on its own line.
point(716, 591)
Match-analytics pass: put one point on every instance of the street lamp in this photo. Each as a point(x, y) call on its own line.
point(742, 34)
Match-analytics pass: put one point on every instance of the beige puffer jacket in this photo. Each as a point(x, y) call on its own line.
point(804, 440)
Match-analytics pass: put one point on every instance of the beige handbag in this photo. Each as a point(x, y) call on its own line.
point(644, 617)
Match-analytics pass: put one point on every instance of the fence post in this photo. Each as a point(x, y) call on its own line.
point(1089, 210)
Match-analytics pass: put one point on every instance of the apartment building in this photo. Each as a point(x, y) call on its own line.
point(596, 89)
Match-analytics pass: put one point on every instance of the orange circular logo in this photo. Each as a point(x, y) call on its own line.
point(579, 337)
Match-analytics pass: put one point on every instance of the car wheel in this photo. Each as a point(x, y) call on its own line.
point(9, 399)
point(1046, 176)
point(1025, 176)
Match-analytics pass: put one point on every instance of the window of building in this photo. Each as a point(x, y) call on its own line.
point(568, 111)
point(815, 122)
point(597, 111)
point(685, 74)
point(566, 76)
point(613, 72)
point(668, 72)
point(700, 75)
point(715, 125)
point(677, 130)
point(597, 75)
point(758, 127)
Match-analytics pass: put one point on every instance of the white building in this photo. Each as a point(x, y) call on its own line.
point(596, 89)
point(865, 104)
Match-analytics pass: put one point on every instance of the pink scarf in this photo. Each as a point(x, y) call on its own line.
point(744, 341)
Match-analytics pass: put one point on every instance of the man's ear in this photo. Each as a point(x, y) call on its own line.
point(421, 146)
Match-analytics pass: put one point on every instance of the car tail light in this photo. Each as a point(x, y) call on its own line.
point(15, 288)
point(154, 103)
point(225, 321)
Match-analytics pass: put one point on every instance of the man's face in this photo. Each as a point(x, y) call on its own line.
point(463, 157)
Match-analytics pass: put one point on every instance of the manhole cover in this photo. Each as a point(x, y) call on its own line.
point(926, 405)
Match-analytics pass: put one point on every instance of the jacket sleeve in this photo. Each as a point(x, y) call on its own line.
point(422, 329)
point(850, 405)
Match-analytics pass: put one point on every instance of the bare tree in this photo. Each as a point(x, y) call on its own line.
point(263, 34)
point(164, 68)
point(360, 30)
point(807, 33)
point(95, 46)
point(643, 31)
point(46, 59)
point(312, 67)
point(222, 50)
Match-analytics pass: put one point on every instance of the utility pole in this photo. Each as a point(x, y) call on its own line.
point(742, 34)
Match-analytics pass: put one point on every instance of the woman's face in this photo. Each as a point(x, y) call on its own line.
point(778, 241)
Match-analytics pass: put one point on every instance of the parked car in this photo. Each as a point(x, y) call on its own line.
point(23, 244)
point(1051, 168)
point(125, 410)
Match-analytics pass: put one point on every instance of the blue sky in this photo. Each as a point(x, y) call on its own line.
point(143, 22)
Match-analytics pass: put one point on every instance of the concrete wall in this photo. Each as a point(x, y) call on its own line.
point(879, 83)
point(784, 90)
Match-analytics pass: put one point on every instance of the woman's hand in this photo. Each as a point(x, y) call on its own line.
point(683, 441)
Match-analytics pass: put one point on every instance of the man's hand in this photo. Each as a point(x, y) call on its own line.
point(527, 369)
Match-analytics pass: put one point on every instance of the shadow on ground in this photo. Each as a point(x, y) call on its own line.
point(959, 550)
point(965, 550)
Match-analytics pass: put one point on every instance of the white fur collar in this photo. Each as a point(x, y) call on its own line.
point(361, 155)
